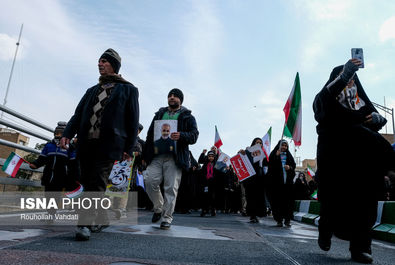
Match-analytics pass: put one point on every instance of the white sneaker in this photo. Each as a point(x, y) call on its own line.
point(120, 214)
point(123, 214)
point(82, 233)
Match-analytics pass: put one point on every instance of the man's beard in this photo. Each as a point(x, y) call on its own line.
point(174, 105)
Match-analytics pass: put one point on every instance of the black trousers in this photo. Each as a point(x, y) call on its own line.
point(95, 171)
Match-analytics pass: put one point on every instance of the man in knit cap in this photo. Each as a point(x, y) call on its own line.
point(167, 167)
point(106, 122)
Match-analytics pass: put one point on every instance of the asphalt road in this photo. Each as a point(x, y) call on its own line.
point(224, 239)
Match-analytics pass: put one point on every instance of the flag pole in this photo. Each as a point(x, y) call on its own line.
point(282, 134)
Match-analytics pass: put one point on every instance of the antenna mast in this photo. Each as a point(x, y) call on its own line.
point(12, 69)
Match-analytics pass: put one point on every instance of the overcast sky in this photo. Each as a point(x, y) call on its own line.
point(235, 60)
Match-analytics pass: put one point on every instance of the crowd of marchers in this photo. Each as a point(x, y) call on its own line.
point(106, 124)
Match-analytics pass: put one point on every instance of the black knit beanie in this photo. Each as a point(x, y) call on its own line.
point(177, 93)
point(113, 58)
point(60, 127)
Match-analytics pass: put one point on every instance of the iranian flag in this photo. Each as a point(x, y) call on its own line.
point(266, 141)
point(75, 193)
point(314, 195)
point(310, 171)
point(12, 164)
point(293, 114)
point(217, 141)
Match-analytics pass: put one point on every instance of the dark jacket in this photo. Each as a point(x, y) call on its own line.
point(186, 125)
point(119, 120)
point(61, 166)
point(212, 182)
point(139, 147)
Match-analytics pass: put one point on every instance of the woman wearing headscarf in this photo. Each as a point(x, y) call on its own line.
point(350, 152)
point(254, 186)
point(281, 173)
point(301, 188)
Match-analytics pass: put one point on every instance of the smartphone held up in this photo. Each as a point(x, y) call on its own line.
point(357, 53)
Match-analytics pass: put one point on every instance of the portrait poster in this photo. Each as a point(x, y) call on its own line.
point(223, 162)
point(256, 153)
point(163, 144)
point(119, 179)
point(242, 167)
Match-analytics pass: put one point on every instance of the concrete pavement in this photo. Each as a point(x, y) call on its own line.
point(224, 239)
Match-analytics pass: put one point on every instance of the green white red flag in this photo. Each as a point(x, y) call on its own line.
point(310, 171)
point(217, 140)
point(314, 195)
point(266, 142)
point(12, 164)
point(293, 114)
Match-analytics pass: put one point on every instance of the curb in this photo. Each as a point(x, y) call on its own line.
point(306, 211)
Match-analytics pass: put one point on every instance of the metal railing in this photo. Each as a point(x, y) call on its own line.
point(388, 111)
point(24, 166)
point(25, 130)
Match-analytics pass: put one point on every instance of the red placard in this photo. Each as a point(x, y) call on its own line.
point(242, 167)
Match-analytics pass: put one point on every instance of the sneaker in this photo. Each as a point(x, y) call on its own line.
point(82, 233)
point(156, 217)
point(254, 220)
point(123, 215)
point(118, 214)
point(361, 257)
point(165, 226)
point(287, 223)
point(279, 224)
point(98, 228)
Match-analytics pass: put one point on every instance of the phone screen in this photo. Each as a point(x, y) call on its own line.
point(357, 53)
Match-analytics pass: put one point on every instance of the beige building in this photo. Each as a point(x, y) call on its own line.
point(389, 137)
point(14, 137)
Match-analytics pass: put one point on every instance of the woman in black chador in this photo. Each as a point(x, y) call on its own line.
point(254, 186)
point(281, 173)
point(352, 159)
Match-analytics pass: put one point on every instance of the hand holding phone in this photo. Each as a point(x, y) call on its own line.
point(357, 53)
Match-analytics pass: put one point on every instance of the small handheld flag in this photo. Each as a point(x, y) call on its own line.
point(314, 195)
point(310, 171)
point(12, 164)
point(266, 142)
point(75, 193)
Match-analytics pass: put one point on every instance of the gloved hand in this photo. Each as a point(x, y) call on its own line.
point(377, 118)
point(375, 121)
point(349, 70)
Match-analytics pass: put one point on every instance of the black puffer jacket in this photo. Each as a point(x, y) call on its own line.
point(188, 135)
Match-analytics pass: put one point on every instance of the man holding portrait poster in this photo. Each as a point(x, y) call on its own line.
point(166, 153)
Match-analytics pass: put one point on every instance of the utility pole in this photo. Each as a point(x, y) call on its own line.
point(389, 111)
point(12, 69)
